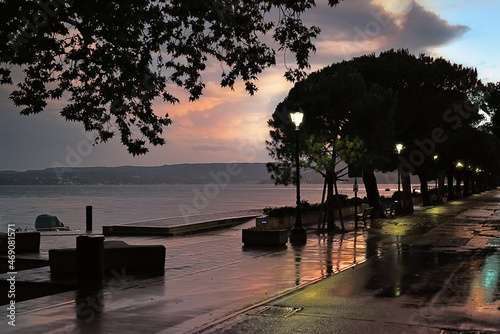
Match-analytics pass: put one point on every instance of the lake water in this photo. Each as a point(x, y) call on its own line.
point(117, 204)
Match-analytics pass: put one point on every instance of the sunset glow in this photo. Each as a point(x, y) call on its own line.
point(222, 121)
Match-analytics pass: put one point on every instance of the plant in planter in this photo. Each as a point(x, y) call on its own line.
point(274, 227)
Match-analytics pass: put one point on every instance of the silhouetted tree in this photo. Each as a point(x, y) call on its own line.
point(111, 59)
point(434, 97)
point(377, 101)
point(332, 99)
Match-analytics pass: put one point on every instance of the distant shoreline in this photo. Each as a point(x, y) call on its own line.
point(218, 173)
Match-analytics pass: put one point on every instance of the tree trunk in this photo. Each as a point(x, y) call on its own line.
point(339, 205)
point(372, 192)
point(473, 183)
point(479, 183)
point(441, 189)
point(407, 201)
point(458, 189)
point(330, 200)
point(321, 223)
point(451, 191)
point(467, 181)
point(424, 189)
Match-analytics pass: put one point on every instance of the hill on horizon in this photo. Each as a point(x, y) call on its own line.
point(195, 173)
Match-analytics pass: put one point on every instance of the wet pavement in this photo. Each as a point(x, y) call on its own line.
point(435, 271)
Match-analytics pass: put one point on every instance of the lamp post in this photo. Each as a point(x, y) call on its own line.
point(479, 182)
point(459, 166)
point(468, 180)
point(298, 235)
point(436, 157)
point(399, 148)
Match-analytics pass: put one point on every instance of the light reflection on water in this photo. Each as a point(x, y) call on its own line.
point(487, 284)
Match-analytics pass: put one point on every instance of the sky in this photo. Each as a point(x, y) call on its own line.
point(231, 126)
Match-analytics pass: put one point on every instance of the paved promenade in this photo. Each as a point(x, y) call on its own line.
point(435, 271)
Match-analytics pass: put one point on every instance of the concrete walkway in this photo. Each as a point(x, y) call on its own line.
point(403, 280)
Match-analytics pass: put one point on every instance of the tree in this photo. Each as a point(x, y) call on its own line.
point(111, 59)
point(434, 98)
point(333, 100)
point(371, 103)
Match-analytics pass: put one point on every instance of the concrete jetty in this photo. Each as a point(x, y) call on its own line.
point(178, 225)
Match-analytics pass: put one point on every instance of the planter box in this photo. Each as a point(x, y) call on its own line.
point(254, 237)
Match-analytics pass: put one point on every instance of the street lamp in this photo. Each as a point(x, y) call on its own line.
point(399, 148)
point(436, 157)
point(459, 166)
point(468, 180)
point(298, 235)
point(479, 179)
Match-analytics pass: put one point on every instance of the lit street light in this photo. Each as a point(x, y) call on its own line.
point(480, 185)
point(399, 148)
point(436, 157)
point(459, 167)
point(298, 234)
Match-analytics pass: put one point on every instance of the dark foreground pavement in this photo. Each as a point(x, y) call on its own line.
point(435, 271)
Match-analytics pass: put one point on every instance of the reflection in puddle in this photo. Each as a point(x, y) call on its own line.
point(441, 278)
point(486, 284)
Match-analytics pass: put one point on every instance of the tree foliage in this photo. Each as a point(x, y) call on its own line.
point(492, 106)
point(344, 117)
point(370, 103)
point(112, 59)
point(337, 106)
point(434, 99)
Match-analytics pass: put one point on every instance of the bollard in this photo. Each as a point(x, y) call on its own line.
point(90, 261)
point(89, 218)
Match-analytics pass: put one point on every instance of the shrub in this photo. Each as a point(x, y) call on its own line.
point(290, 210)
point(306, 207)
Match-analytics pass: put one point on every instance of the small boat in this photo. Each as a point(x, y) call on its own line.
point(49, 223)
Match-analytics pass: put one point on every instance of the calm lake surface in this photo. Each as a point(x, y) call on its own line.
point(116, 204)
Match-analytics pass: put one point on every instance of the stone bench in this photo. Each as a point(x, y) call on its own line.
point(25, 242)
point(118, 256)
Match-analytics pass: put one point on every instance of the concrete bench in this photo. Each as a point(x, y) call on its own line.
point(118, 256)
point(25, 242)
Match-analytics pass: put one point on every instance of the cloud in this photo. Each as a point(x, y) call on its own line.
point(359, 27)
point(423, 29)
point(352, 28)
